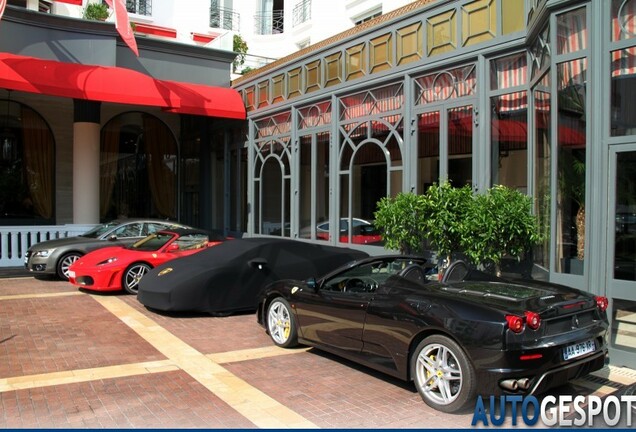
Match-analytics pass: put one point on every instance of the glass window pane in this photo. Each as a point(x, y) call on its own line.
point(27, 167)
point(625, 212)
point(623, 19)
point(571, 166)
point(428, 128)
point(572, 31)
point(460, 146)
point(623, 323)
point(509, 71)
point(542, 163)
point(509, 140)
point(623, 92)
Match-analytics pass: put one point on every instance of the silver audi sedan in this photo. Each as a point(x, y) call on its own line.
point(54, 257)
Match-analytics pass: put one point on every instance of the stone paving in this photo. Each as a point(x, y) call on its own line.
point(71, 359)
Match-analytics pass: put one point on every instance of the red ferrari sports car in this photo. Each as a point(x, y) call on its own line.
point(116, 268)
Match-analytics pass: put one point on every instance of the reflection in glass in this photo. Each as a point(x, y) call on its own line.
point(624, 325)
point(460, 146)
point(314, 170)
point(27, 166)
point(428, 141)
point(571, 166)
point(542, 161)
point(625, 213)
point(367, 180)
point(138, 160)
point(509, 140)
point(623, 92)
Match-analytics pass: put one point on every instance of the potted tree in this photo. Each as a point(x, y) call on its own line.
point(96, 11)
point(501, 224)
point(482, 228)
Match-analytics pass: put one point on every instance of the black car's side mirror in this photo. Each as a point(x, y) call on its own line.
point(112, 237)
point(312, 284)
point(259, 263)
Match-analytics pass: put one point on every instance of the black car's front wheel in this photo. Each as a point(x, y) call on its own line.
point(132, 276)
point(280, 323)
point(65, 262)
point(443, 374)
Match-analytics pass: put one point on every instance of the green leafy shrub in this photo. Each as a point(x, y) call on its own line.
point(483, 227)
point(96, 12)
point(501, 224)
point(402, 221)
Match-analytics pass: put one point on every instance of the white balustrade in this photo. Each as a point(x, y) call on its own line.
point(15, 240)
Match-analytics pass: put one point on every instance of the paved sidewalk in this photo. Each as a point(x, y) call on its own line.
point(70, 359)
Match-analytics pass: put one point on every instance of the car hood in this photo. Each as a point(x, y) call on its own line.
point(97, 256)
point(66, 241)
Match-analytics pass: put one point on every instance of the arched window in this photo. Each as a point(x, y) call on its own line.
point(138, 168)
point(27, 166)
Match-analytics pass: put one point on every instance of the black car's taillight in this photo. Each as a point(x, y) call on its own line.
point(601, 302)
point(515, 323)
point(533, 320)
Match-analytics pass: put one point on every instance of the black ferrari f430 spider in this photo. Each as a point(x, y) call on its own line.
point(469, 334)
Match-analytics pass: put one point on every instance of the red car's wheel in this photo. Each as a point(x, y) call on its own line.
point(132, 276)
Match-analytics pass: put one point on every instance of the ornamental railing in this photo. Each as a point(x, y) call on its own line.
point(267, 23)
point(223, 18)
point(301, 12)
point(139, 7)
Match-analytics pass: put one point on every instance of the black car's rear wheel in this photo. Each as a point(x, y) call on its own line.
point(280, 323)
point(65, 262)
point(132, 276)
point(443, 374)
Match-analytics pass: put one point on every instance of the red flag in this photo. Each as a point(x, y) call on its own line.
point(122, 24)
point(3, 3)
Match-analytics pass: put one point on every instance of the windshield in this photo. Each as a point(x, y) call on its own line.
point(151, 243)
point(100, 229)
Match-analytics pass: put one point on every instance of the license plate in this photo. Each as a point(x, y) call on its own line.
point(579, 349)
point(71, 274)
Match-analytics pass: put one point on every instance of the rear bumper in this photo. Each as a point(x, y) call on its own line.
point(561, 375)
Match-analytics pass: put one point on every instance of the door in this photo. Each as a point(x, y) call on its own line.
point(622, 256)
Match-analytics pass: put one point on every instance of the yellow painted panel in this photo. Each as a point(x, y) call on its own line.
point(278, 88)
point(409, 43)
point(441, 33)
point(355, 61)
point(248, 98)
point(293, 83)
point(479, 21)
point(381, 53)
point(313, 76)
point(333, 68)
point(263, 93)
point(513, 15)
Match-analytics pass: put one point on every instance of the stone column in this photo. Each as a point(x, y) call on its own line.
point(86, 152)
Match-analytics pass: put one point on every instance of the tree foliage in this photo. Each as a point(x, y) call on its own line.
point(483, 227)
point(96, 12)
point(240, 47)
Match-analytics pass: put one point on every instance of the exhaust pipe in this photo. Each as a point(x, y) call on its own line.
point(523, 383)
point(509, 384)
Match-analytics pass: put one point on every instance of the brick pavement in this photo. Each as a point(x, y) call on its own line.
point(70, 359)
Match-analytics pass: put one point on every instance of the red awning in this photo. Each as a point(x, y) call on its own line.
point(117, 85)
